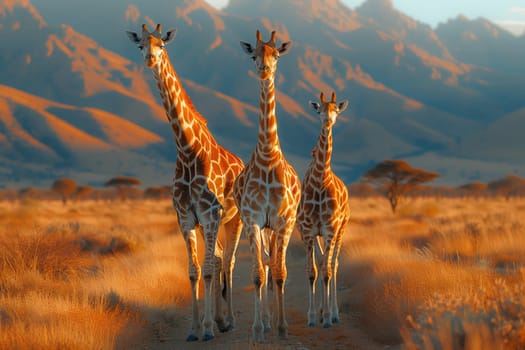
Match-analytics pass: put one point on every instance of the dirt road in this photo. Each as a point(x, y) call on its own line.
point(169, 329)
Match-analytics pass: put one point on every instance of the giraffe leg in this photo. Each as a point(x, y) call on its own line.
point(327, 276)
point(266, 250)
point(266, 314)
point(319, 252)
point(233, 233)
point(311, 271)
point(190, 238)
point(279, 277)
point(335, 259)
point(210, 239)
point(259, 278)
point(218, 282)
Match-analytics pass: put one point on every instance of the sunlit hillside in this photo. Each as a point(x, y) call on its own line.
point(79, 102)
point(112, 274)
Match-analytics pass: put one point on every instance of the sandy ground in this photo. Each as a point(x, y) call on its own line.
point(168, 328)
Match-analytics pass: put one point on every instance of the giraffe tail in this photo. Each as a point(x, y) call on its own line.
point(271, 249)
point(320, 245)
point(224, 286)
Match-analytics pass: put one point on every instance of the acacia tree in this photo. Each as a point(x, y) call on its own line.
point(65, 187)
point(475, 188)
point(397, 177)
point(510, 185)
point(123, 184)
point(158, 192)
point(83, 191)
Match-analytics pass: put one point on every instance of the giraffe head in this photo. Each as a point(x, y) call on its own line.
point(152, 45)
point(329, 110)
point(265, 54)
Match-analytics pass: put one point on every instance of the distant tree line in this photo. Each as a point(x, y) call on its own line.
point(396, 179)
point(392, 179)
point(508, 186)
point(67, 189)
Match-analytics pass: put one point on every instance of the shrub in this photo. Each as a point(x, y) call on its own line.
point(64, 187)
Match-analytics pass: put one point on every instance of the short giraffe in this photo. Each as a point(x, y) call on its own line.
point(202, 187)
point(323, 214)
point(267, 193)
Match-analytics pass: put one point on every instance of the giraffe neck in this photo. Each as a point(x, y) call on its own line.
point(268, 143)
point(187, 124)
point(323, 152)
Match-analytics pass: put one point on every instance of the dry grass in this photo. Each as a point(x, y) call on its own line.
point(492, 317)
point(440, 274)
point(408, 273)
point(80, 276)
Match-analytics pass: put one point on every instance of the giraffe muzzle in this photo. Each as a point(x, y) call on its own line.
point(264, 73)
point(262, 68)
point(149, 60)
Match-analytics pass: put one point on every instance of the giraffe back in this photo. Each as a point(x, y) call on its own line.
point(324, 202)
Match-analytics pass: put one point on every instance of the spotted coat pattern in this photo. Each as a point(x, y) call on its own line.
point(267, 193)
point(202, 188)
point(323, 214)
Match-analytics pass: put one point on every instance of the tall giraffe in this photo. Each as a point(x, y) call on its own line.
point(202, 187)
point(267, 193)
point(323, 214)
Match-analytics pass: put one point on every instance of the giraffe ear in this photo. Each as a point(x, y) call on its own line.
point(283, 50)
point(342, 106)
point(247, 48)
point(316, 106)
point(170, 35)
point(133, 37)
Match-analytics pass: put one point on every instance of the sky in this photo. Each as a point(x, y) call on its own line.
point(509, 14)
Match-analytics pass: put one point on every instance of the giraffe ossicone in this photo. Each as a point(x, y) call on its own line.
point(202, 189)
point(322, 216)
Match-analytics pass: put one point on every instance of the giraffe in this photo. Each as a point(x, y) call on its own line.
point(323, 214)
point(202, 188)
point(267, 193)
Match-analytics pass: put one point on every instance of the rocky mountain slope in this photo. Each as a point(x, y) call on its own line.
point(75, 99)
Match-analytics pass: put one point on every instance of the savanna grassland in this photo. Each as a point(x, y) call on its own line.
point(441, 273)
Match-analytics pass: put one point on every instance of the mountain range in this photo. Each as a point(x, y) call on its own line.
point(76, 100)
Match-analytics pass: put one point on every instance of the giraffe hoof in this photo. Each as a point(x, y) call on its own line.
point(283, 334)
point(231, 324)
point(311, 324)
point(207, 337)
point(258, 338)
point(222, 326)
point(258, 334)
point(335, 319)
point(192, 337)
point(227, 328)
point(327, 325)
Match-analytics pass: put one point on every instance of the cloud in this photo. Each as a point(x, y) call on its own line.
point(518, 10)
point(132, 13)
point(513, 26)
point(219, 4)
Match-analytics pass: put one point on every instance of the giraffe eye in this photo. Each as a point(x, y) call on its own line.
point(253, 58)
point(162, 46)
point(141, 47)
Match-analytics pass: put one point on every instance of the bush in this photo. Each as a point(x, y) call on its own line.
point(64, 187)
